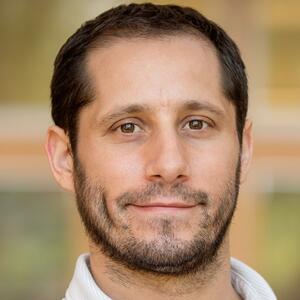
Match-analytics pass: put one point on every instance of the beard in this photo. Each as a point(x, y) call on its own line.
point(166, 254)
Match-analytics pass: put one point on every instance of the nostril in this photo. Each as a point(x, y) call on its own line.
point(156, 176)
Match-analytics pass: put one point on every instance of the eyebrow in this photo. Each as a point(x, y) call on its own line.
point(203, 105)
point(191, 105)
point(123, 111)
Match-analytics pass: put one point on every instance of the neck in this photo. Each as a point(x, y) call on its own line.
point(120, 282)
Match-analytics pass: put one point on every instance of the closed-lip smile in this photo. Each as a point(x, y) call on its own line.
point(163, 207)
point(164, 204)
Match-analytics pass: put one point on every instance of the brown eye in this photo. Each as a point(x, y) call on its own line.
point(196, 124)
point(128, 128)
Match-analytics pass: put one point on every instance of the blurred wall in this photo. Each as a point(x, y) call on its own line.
point(40, 229)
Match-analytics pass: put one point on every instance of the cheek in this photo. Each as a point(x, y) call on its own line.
point(117, 171)
point(214, 168)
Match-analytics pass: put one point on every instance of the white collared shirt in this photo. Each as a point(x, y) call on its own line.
point(247, 283)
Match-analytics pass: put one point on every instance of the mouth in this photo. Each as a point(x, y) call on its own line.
point(162, 207)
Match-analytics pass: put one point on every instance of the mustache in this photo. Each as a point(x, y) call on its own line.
point(179, 192)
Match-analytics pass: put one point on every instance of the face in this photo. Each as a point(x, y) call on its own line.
point(157, 163)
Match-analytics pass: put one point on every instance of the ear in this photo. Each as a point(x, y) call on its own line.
point(60, 157)
point(247, 149)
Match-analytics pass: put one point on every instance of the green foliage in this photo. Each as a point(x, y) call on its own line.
point(34, 253)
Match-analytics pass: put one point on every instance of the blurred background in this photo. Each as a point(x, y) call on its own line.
point(41, 234)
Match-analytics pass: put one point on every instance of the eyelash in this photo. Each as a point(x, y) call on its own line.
point(204, 124)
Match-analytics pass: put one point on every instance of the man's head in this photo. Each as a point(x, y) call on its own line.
point(150, 105)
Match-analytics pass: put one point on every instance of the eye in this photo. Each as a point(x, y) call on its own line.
point(196, 124)
point(129, 128)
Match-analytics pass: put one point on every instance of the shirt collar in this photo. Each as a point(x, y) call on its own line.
point(248, 283)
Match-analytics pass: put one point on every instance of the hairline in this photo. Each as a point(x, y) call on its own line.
point(106, 41)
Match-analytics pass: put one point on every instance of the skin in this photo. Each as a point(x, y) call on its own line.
point(162, 76)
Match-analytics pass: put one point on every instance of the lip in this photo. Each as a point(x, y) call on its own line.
point(163, 207)
point(164, 204)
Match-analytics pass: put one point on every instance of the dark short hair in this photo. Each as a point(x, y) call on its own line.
point(71, 89)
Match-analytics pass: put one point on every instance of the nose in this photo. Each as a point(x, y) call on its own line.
point(167, 160)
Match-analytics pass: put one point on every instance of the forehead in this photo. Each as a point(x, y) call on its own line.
point(157, 72)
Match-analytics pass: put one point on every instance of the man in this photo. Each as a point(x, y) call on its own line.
point(150, 104)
